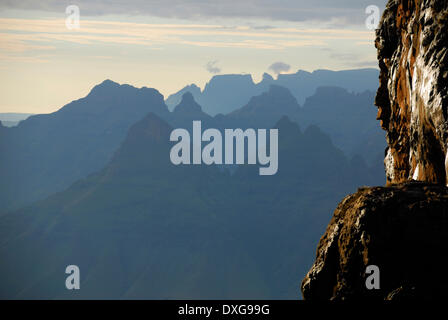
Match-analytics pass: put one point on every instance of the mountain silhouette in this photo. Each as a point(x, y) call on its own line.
point(46, 153)
point(349, 118)
point(264, 110)
point(187, 111)
point(226, 93)
point(142, 227)
point(81, 137)
point(111, 201)
point(11, 119)
point(173, 100)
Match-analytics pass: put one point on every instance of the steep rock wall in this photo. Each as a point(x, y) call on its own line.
point(401, 228)
point(412, 99)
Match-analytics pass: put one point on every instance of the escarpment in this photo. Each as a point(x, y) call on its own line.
point(401, 229)
point(412, 100)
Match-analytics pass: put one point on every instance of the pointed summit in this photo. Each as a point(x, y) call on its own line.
point(277, 100)
point(285, 122)
point(173, 100)
point(146, 145)
point(188, 110)
point(188, 104)
point(288, 127)
point(187, 97)
point(267, 77)
point(104, 87)
point(150, 127)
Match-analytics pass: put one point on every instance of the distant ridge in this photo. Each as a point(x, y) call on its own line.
point(11, 119)
point(226, 93)
point(70, 143)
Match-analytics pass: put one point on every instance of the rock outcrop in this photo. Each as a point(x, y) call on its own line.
point(401, 228)
point(412, 99)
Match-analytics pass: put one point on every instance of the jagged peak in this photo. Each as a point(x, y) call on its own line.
point(109, 87)
point(267, 77)
point(151, 126)
point(277, 93)
point(187, 97)
point(105, 85)
point(188, 104)
point(287, 126)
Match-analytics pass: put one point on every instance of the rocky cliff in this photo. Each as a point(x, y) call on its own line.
point(402, 228)
point(412, 99)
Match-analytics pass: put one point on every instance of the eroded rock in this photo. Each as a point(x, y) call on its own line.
point(402, 229)
point(412, 99)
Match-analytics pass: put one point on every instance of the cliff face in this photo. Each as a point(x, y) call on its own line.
point(401, 228)
point(412, 99)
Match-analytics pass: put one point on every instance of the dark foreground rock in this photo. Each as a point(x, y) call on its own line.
point(402, 229)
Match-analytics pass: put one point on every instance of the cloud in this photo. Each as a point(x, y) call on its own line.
point(212, 68)
point(279, 67)
point(349, 11)
point(22, 35)
point(355, 60)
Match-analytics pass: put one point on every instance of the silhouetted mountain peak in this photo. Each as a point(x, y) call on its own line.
point(145, 148)
point(303, 72)
point(279, 91)
point(276, 97)
point(104, 87)
point(109, 89)
point(314, 133)
point(229, 81)
point(188, 104)
point(187, 97)
point(325, 95)
point(265, 109)
point(286, 126)
point(173, 100)
point(267, 77)
point(150, 127)
point(193, 88)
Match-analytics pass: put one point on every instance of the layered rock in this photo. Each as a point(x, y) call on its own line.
point(412, 99)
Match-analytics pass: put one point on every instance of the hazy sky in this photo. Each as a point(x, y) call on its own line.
point(167, 44)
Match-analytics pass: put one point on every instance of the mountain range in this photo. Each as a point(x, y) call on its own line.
point(11, 119)
point(46, 153)
point(81, 137)
point(92, 185)
point(226, 93)
point(144, 228)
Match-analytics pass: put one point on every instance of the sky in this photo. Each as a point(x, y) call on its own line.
point(46, 61)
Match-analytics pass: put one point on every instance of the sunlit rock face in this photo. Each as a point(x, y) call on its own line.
point(402, 228)
point(412, 100)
